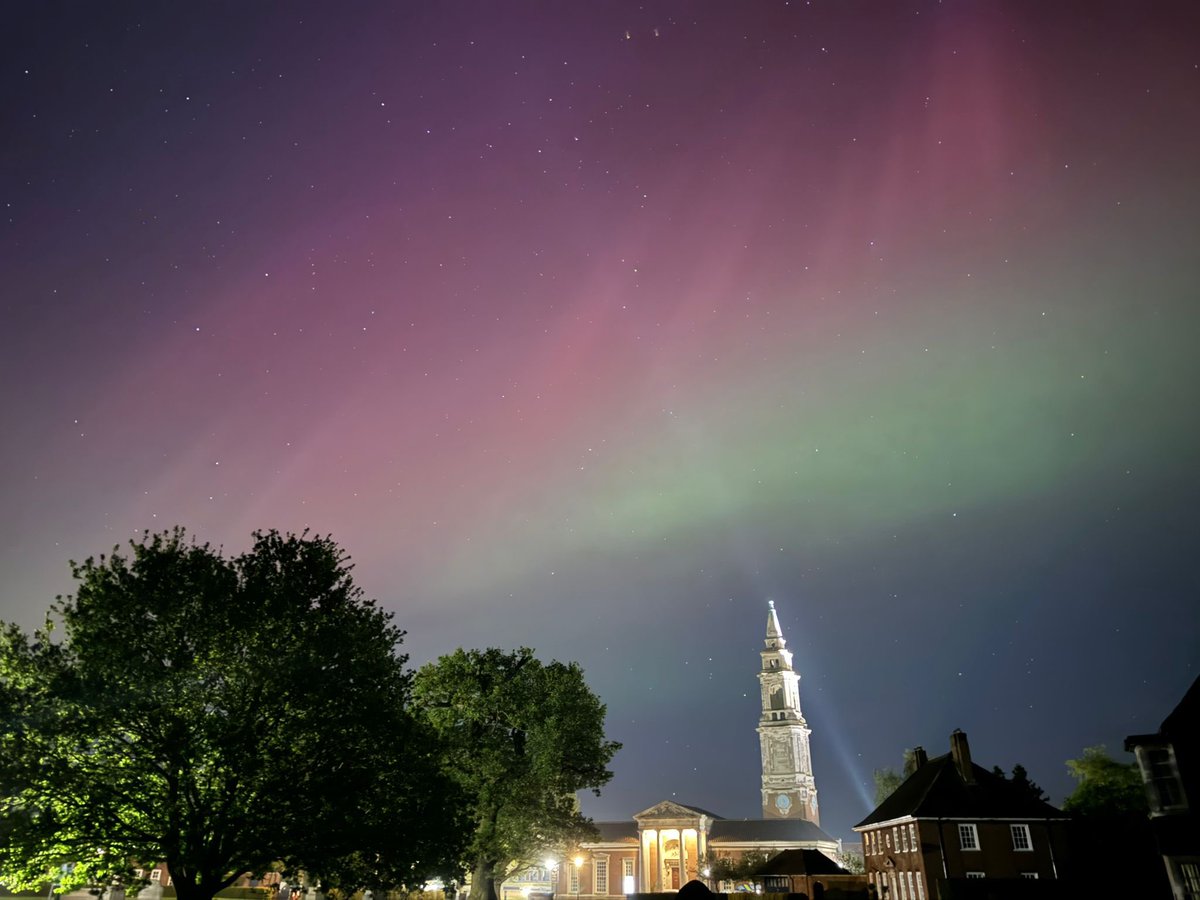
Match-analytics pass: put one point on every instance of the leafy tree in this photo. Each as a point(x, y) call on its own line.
point(523, 737)
point(740, 868)
point(888, 779)
point(852, 861)
point(1106, 787)
point(216, 714)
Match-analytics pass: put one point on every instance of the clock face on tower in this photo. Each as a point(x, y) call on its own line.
point(783, 803)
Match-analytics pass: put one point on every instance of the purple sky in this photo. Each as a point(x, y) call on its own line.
point(592, 326)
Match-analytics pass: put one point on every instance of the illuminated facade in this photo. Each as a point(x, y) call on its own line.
point(788, 788)
point(669, 844)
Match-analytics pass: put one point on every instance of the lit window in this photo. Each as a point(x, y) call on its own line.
point(968, 837)
point(1020, 836)
point(1032, 875)
point(975, 875)
point(600, 875)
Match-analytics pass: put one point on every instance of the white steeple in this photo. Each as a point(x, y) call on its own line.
point(788, 788)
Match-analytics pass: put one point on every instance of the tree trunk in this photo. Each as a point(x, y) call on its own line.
point(483, 880)
point(187, 889)
point(192, 885)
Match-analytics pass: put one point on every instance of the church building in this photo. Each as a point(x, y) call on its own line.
point(668, 844)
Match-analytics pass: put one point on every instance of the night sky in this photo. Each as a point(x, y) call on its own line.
point(591, 327)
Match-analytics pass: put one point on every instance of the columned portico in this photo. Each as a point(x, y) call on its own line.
point(674, 840)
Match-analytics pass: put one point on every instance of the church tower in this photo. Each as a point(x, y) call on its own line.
point(788, 788)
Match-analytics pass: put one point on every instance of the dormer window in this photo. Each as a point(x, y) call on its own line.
point(1163, 788)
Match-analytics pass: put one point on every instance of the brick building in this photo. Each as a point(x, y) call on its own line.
point(953, 821)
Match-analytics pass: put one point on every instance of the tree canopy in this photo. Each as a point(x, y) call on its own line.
point(1106, 787)
point(217, 715)
point(888, 779)
point(739, 869)
point(1020, 778)
point(523, 737)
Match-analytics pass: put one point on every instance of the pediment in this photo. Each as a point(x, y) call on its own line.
point(669, 809)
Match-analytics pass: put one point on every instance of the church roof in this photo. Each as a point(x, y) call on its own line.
point(938, 790)
point(720, 830)
point(617, 832)
point(749, 830)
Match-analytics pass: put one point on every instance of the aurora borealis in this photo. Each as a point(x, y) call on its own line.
point(591, 327)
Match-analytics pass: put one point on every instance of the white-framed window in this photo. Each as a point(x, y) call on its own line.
point(887, 839)
point(920, 887)
point(903, 892)
point(975, 875)
point(156, 875)
point(1020, 837)
point(912, 835)
point(574, 886)
point(1189, 877)
point(1163, 787)
point(904, 837)
point(139, 873)
point(968, 836)
point(911, 887)
point(628, 885)
point(1032, 875)
point(600, 876)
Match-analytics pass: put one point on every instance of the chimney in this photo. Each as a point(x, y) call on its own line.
point(920, 757)
point(961, 754)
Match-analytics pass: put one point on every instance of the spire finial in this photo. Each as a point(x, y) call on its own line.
point(771, 604)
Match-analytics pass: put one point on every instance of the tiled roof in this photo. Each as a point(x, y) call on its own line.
point(614, 832)
point(937, 790)
point(1180, 723)
point(800, 862)
point(742, 830)
point(1182, 720)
